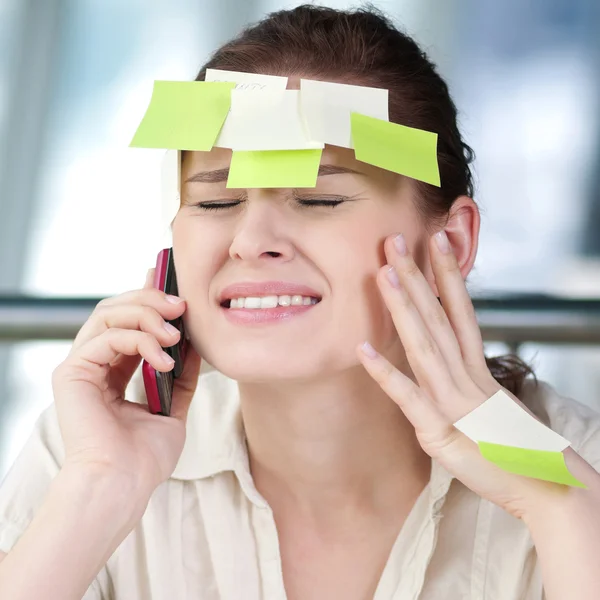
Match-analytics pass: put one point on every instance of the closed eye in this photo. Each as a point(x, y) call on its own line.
point(319, 202)
point(216, 205)
point(304, 202)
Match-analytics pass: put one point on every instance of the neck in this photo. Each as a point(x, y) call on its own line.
point(332, 446)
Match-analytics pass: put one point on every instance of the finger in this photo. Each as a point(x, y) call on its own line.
point(185, 385)
point(146, 294)
point(91, 365)
point(102, 350)
point(132, 310)
point(123, 367)
point(432, 313)
point(425, 416)
point(421, 349)
point(131, 316)
point(456, 301)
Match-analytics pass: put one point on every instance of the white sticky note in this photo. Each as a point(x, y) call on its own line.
point(170, 193)
point(326, 108)
point(500, 420)
point(265, 120)
point(247, 81)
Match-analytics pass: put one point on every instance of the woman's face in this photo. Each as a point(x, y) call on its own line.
point(275, 235)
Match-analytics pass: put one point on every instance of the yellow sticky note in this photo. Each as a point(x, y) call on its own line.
point(539, 464)
point(274, 169)
point(184, 115)
point(405, 150)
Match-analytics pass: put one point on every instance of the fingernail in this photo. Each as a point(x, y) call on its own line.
point(173, 299)
point(369, 350)
point(392, 276)
point(170, 328)
point(400, 244)
point(167, 359)
point(442, 242)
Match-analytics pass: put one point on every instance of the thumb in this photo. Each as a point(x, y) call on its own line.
point(185, 385)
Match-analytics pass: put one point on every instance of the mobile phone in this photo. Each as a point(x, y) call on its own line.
point(159, 385)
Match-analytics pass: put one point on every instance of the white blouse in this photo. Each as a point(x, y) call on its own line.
point(207, 533)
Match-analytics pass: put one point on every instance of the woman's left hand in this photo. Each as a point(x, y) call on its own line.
point(444, 349)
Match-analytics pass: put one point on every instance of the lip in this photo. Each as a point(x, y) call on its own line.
point(265, 316)
point(245, 289)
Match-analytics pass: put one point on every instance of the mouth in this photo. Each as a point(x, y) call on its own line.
point(268, 302)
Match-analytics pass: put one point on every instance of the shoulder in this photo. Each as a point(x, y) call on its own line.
point(575, 421)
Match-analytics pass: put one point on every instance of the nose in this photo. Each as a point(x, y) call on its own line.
point(261, 232)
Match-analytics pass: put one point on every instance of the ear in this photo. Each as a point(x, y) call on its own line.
point(462, 230)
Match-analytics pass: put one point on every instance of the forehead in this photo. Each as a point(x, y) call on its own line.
point(220, 158)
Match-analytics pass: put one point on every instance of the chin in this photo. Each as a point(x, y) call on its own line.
point(253, 367)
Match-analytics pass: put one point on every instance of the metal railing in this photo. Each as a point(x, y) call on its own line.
point(511, 319)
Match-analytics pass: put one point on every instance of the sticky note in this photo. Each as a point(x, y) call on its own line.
point(539, 464)
point(405, 150)
point(516, 441)
point(326, 107)
point(274, 169)
point(184, 115)
point(266, 119)
point(500, 420)
point(247, 81)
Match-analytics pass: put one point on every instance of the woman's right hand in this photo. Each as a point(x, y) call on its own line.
point(99, 427)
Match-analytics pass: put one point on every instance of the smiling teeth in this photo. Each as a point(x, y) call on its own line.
point(272, 301)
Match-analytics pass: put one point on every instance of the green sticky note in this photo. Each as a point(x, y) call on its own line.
point(274, 168)
point(405, 150)
point(184, 115)
point(539, 464)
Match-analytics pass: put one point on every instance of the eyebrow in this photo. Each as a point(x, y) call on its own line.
point(221, 175)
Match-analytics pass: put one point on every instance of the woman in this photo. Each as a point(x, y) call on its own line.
point(313, 467)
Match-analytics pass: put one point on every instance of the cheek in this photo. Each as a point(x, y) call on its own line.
point(197, 255)
point(354, 262)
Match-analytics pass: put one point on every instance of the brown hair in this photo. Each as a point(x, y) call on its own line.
point(362, 46)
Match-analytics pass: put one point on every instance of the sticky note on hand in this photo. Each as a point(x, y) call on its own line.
point(516, 441)
point(184, 115)
point(404, 150)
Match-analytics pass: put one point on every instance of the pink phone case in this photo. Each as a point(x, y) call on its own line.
point(159, 385)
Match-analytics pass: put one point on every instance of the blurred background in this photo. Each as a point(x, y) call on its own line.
point(80, 211)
